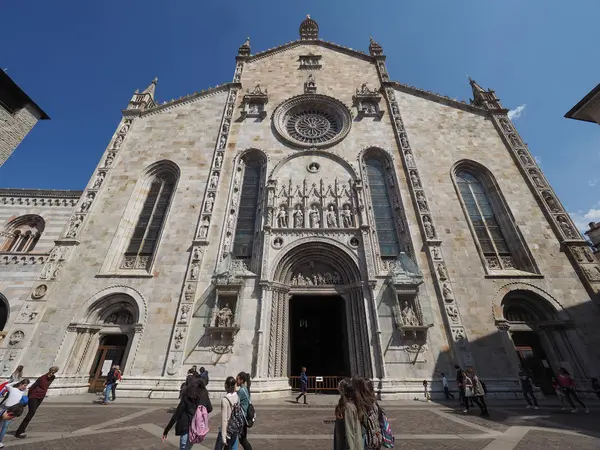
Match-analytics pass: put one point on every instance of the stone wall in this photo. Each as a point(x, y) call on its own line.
point(13, 129)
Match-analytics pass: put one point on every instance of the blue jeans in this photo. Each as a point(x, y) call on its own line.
point(107, 392)
point(4, 429)
point(184, 444)
point(219, 444)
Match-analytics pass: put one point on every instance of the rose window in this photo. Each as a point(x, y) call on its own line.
point(312, 120)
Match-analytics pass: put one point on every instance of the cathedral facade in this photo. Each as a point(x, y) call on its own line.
point(312, 212)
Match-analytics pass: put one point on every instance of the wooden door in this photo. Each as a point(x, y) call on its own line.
point(106, 357)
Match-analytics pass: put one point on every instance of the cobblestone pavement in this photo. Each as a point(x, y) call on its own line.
point(281, 425)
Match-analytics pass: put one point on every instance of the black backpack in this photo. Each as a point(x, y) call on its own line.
point(235, 424)
point(250, 416)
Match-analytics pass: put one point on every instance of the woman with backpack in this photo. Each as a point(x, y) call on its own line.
point(243, 382)
point(232, 421)
point(194, 395)
point(568, 386)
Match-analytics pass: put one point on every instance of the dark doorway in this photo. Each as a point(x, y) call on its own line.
point(533, 359)
point(318, 337)
point(110, 352)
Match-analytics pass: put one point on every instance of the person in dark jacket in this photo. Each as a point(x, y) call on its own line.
point(194, 395)
point(203, 374)
point(303, 386)
point(37, 393)
point(110, 385)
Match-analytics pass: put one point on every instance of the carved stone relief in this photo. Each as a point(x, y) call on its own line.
point(16, 337)
point(39, 291)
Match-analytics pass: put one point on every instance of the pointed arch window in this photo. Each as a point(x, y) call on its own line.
point(144, 239)
point(493, 226)
point(249, 205)
point(382, 208)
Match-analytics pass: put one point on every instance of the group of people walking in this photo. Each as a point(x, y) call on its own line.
point(191, 415)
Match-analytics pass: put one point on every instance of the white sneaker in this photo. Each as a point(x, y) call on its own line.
point(574, 410)
point(528, 407)
point(536, 407)
point(465, 411)
point(563, 408)
point(1, 445)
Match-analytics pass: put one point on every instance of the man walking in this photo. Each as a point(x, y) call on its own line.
point(527, 388)
point(447, 392)
point(15, 396)
point(36, 395)
point(303, 386)
point(110, 385)
point(460, 375)
point(203, 376)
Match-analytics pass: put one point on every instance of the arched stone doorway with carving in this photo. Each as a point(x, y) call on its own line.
point(106, 333)
point(542, 337)
point(315, 313)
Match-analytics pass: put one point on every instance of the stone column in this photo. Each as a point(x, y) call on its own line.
point(263, 344)
point(378, 351)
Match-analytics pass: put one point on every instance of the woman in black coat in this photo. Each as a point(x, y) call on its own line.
point(194, 395)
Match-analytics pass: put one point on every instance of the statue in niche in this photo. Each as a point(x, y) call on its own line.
point(99, 180)
point(578, 252)
point(414, 179)
point(536, 178)
point(313, 167)
point(109, 159)
point(195, 271)
point(514, 140)
point(204, 227)
point(551, 201)
point(196, 254)
point(74, 226)
point(403, 140)
point(459, 334)
point(310, 83)
point(231, 223)
point(225, 316)
point(447, 291)
point(118, 142)
point(564, 225)
point(526, 160)
point(588, 255)
point(409, 159)
point(85, 205)
point(222, 141)
point(421, 201)
point(226, 125)
point(218, 160)
point(298, 217)
point(282, 217)
point(210, 201)
point(315, 220)
point(409, 318)
point(189, 292)
point(331, 217)
point(505, 125)
point(214, 180)
point(347, 217)
point(125, 128)
point(441, 270)
point(436, 253)
point(229, 110)
point(429, 228)
point(452, 313)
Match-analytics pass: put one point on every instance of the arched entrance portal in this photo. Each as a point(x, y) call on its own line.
point(540, 336)
point(318, 316)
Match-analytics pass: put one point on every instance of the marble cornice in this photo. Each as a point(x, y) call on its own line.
point(39, 197)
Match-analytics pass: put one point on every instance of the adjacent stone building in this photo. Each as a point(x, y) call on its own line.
point(312, 212)
point(18, 115)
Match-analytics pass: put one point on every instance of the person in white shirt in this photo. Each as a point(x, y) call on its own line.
point(16, 395)
point(229, 399)
point(447, 392)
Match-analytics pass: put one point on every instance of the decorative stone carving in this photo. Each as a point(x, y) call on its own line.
point(222, 141)
point(514, 140)
point(218, 160)
point(429, 228)
point(254, 102)
point(178, 338)
point(194, 271)
point(408, 157)
point(16, 337)
point(452, 312)
point(551, 201)
point(313, 167)
point(525, 159)
point(39, 291)
point(172, 367)
point(414, 179)
point(588, 255)
point(316, 279)
point(185, 310)
point(578, 253)
point(278, 242)
point(28, 314)
point(298, 217)
point(441, 270)
point(125, 128)
point(204, 227)
point(282, 217)
point(122, 317)
point(210, 201)
point(535, 176)
point(224, 317)
point(347, 217)
point(435, 251)
point(422, 202)
point(592, 272)
point(118, 142)
point(458, 333)
point(74, 226)
point(214, 180)
point(563, 222)
point(409, 318)
point(508, 262)
point(87, 202)
point(447, 291)
point(189, 292)
point(99, 180)
point(315, 217)
point(367, 102)
point(354, 242)
point(310, 61)
point(310, 87)
point(332, 217)
point(492, 262)
point(505, 125)
point(197, 253)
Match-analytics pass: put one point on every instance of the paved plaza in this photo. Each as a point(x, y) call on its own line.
point(76, 423)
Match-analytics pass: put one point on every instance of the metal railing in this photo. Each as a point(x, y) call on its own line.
point(329, 384)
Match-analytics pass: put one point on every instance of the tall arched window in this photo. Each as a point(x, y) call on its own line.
point(144, 239)
point(493, 227)
point(382, 207)
point(23, 233)
point(249, 203)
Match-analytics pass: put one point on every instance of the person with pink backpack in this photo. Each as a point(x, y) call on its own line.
point(191, 416)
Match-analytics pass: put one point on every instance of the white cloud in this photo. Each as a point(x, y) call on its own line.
point(514, 114)
point(593, 182)
point(582, 219)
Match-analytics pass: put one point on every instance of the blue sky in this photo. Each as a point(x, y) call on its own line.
point(81, 61)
